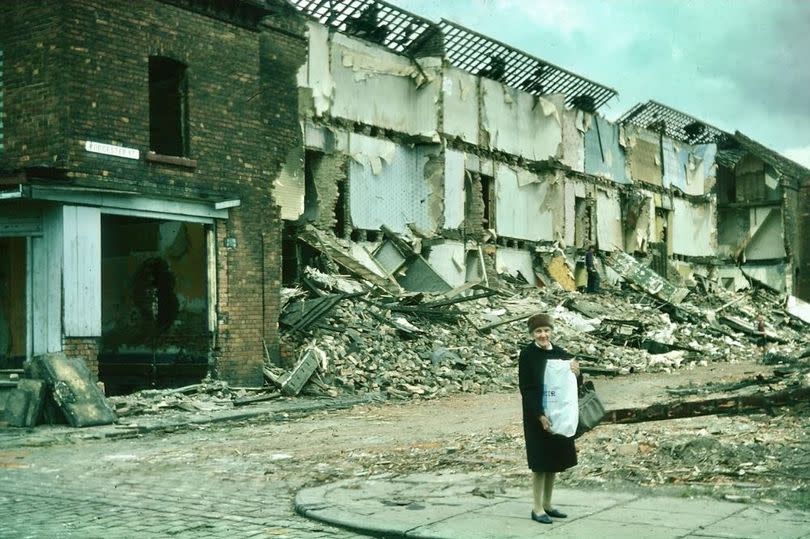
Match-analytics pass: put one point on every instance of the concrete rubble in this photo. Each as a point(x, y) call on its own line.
point(418, 344)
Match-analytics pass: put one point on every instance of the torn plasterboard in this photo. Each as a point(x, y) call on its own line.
point(609, 233)
point(649, 281)
point(515, 262)
point(340, 255)
point(419, 276)
point(519, 123)
point(798, 308)
point(288, 188)
point(644, 155)
point(772, 276)
point(693, 228)
point(460, 107)
point(395, 94)
point(453, 189)
point(604, 155)
point(387, 185)
point(766, 234)
point(319, 78)
point(448, 260)
point(529, 212)
point(572, 149)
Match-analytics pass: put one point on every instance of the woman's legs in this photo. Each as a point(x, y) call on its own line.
point(548, 488)
point(538, 488)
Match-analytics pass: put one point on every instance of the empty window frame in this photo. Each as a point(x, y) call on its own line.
point(168, 107)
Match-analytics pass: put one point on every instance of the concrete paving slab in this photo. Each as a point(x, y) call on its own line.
point(444, 506)
point(479, 526)
point(687, 505)
point(587, 527)
point(759, 522)
point(680, 521)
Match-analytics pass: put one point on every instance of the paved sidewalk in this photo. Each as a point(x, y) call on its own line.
point(478, 506)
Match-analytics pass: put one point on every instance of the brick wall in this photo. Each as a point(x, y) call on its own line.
point(86, 348)
point(33, 80)
point(81, 67)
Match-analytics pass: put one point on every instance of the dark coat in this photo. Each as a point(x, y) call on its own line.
point(545, 452)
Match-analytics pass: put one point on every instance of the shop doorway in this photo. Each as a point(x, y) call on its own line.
point(156, 324)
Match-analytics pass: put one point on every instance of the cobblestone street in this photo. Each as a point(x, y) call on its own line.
point(158, 486)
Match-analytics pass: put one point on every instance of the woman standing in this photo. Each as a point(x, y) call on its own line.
point(547, 421)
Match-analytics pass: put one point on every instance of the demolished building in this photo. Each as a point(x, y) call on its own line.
point(491, 161)
point(421, 156)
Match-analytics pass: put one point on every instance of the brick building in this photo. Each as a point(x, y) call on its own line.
point(138, 145)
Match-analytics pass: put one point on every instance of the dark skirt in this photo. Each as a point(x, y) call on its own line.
point(546, 452)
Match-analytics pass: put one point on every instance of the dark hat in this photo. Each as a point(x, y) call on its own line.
point(539, 320)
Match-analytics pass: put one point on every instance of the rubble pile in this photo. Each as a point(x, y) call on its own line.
point(424, 345)
point(209, 395)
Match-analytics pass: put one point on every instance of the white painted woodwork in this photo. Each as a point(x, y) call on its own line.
point(81, 249)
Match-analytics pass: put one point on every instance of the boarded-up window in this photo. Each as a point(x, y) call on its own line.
point(168, 107)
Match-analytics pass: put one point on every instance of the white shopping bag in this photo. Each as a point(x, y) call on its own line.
point(560, 397)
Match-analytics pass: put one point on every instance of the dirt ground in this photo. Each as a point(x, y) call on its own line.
point(759, 458)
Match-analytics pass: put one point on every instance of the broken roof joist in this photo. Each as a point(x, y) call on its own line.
point(375, 21)
point(675, 124)
point(487, 57)
point(404, 33)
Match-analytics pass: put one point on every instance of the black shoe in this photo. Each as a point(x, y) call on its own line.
point(556, 514)
point(542, 519)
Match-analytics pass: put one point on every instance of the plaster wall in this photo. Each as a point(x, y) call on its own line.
point(395, 93)
point(460, 105)
point(519, 123)
point(526, 205)
point(693, 228)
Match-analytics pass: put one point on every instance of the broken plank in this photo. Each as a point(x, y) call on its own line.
point(716, 406)
point(255, 398)
point(509, 320)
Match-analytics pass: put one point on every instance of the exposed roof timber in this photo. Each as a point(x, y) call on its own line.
point(402, 31)
point(376, 21)
point(676, 124)
point(484, 56)
point(784, 166)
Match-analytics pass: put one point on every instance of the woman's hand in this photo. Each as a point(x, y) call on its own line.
point(575, 367)
point(545, 423)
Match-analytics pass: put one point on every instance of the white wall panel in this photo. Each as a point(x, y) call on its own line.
point(524, 212)
point(47, 284)
point(693, 228)
point(376, 87)
point(609, 232)
point(460, 112)
point(513, 262)
point(519, 123)
point(454, 172)
point(448, 260)
point(81, 248)
point(387, 185)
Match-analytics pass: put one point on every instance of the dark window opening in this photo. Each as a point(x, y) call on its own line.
point(312, 160)
point(488, 194)
point(340, 210)
point(289, 254)
point(168, 107)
